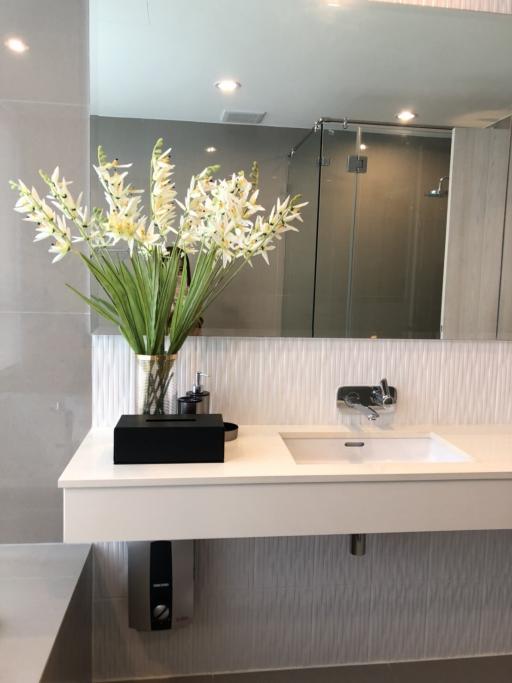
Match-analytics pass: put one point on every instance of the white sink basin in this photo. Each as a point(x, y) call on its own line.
point(318, 449)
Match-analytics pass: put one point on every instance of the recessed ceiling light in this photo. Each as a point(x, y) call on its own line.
point(16, 45)
point(210, 150)
point(406, 115)
point(228, 85)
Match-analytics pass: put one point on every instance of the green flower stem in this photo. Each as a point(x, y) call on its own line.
point(152, 296)
point(159, 377)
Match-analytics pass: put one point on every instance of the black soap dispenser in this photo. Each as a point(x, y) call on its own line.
point(197, 401)
point(198, 392)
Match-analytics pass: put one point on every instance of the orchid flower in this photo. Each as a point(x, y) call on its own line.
point(221, 223)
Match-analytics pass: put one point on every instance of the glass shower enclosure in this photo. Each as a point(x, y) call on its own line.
point(368, 262)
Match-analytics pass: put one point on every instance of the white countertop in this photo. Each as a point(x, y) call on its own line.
point(259, 455)
point(36, 586)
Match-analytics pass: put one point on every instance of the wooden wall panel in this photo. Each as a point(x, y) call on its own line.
point(476, 212)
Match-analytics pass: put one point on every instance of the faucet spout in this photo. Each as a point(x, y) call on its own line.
point(355, 403)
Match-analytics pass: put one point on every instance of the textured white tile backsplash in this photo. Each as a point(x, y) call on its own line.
point(294, 381)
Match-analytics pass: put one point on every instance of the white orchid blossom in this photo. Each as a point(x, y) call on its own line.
point(223, 215)
point(155, 296)
point(163, 194)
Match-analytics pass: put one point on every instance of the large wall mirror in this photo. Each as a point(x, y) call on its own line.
point(407, 233)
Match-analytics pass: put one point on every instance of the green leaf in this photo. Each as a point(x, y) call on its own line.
point(180, 299)
point(99, 305)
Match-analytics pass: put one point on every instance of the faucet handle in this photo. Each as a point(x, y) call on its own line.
point(384, 387)
point(382, 394)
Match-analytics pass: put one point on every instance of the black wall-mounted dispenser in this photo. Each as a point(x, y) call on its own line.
point(160, 584)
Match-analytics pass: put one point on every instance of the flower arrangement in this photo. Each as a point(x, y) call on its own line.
point(155, 297)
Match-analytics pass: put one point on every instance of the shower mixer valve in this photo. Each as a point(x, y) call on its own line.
point(370, 401)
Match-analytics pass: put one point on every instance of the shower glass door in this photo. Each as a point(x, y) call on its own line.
point(298, 288)
point(335, 244)
point(381, 232)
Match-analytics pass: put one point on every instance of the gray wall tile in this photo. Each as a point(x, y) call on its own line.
point(454, 612)
point(283, 627)
point(335, 566)
point(37, 136)
point(55, 69)
point(341, 624)
point(496, 618)
point(45, 385)
point(30, 514)
point(110, 570)
point(397, 621)
point(498, 563)
point(232, 629)
point(226, 563)
point(401, 559)
point(44, 401)
point(459, 556)
point(286, 562)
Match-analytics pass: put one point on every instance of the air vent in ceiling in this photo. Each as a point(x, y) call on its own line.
point(230, 116)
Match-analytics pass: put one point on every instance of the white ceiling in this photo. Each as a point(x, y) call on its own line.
point(299, 60)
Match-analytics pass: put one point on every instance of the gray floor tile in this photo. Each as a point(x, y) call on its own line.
point(377, 673)
point(187, 679)
point(471, 670)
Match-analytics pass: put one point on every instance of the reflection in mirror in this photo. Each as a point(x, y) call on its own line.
point(250, 305)
point(397, 240)
point(381, 230)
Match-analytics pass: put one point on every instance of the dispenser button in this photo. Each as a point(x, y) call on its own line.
point(161, 613)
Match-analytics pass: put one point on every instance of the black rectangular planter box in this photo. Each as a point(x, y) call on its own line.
point(146, 439)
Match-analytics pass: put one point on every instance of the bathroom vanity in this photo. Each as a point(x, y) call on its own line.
point(297, 480)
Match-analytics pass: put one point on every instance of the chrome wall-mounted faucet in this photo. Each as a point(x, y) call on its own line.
point(370, 401)
point(382, 394)
point(353, 401)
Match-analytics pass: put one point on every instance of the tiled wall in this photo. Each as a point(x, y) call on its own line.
point(45, 356)
point(294, 602)
point(294, 381)
point(286, 602)
point(498, 6)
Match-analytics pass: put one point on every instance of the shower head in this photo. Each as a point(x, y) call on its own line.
point(438, 191)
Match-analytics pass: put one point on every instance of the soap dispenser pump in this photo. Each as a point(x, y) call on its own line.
point(198, 392)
